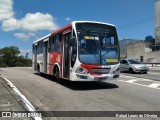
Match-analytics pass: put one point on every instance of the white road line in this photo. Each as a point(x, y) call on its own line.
point(138, 79)
point(131, 81)
point(28, 104)
point(127, 76)
point(143, 79)
point(139, 84)
point(154, 85)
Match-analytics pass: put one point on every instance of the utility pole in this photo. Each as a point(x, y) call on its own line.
point(157, 21)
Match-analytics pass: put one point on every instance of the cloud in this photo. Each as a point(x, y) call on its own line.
point(38, 21)
point(6, 9)
point(11, 24)
point(68, 19)
point(24, 35)
point(31, 22)
point(26, 51)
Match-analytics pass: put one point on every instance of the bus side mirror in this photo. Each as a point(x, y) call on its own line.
point(72, 40)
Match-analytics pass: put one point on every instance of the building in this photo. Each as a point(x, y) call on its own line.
point(123, 46)
point(142, 51)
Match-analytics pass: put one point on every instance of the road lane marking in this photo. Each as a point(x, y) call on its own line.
point(25, 100)
point(135, 80)
point(140, 84)
point(127, 76)
point(154, 85)
point(143, 79)
point(131, 81)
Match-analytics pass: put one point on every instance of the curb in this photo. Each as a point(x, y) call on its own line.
point(23, 98)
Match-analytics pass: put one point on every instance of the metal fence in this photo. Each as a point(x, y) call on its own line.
point(153, 64)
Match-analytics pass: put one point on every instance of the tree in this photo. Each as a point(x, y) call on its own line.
point(20, 61)
point(9, 56)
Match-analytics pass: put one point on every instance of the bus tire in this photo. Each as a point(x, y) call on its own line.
point(57, 74)
point(38, 69)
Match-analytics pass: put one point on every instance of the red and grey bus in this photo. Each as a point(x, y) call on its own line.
point(80, 51)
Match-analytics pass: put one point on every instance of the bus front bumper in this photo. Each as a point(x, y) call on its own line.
point(88, 77)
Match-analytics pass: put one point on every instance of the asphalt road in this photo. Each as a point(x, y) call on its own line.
point(153, 75)
point(128, 93)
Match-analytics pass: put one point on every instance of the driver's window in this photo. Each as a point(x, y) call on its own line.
point(107, 41)
point(112, 41)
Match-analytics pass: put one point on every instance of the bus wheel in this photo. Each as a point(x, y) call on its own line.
point(38, 69)
point(57, 74)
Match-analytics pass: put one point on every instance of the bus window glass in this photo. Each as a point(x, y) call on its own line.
point(108, 48)
point(57, 43)
point(52, 44)
point(97, 44)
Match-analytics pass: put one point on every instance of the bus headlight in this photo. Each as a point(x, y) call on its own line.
point(82, 70)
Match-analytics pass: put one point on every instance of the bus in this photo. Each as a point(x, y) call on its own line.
point(80, 51)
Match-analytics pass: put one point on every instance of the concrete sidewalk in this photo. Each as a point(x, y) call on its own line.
point(9, 101)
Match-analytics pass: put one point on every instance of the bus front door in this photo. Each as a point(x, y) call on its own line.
point(66, 55)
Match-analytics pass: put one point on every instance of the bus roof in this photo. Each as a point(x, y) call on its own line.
point(69, 25)
point(42, 38)
point(74, 22)
point(61, 29)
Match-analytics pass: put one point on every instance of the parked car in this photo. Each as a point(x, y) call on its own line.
point(131, 66)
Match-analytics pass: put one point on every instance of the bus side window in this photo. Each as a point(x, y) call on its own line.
point(57, 42)
point(38, 48)
point(52, 43)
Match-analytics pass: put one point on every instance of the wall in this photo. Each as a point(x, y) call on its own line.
point(135, 50)
point(142, 48)
point(123, 46)
point(153, 57)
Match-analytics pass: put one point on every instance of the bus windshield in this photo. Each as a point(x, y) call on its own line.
point(97, 46)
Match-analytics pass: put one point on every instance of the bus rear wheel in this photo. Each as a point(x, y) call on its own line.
point(38, 69)
point(57, 74)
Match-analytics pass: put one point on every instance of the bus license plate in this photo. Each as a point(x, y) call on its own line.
point(102, 79)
